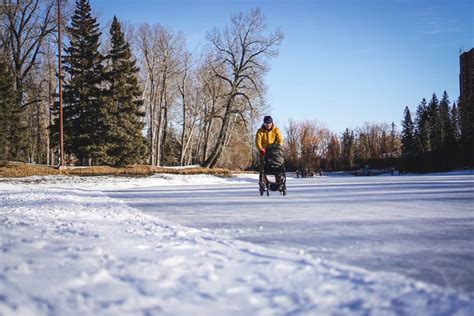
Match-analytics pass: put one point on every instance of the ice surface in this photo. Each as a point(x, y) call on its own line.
point(110, 246)
point(419, 226)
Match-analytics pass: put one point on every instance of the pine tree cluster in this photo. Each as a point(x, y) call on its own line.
point(439, 137)
point(102, 107)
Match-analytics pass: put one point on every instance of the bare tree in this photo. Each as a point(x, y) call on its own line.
point(149, 60)
point(188, 97)
point(27, 24)
point(292, 145)
point(375, 141)
point(306, 144)
point(211, 98)
point(159, 57)
point(314, 139)
point(240, 54)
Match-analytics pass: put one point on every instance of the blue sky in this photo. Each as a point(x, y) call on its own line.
point(342, 62)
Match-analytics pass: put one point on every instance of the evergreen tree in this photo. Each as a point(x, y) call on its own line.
point(13, 123)
point(436, 130)
point(408, 133)
point(447, 126)
point(124, 140)
point(422, 128)
point(394, 147)
point(456, 123)
point(84, 119)
point(348, 148)
point(453, 138)
point(333, 153)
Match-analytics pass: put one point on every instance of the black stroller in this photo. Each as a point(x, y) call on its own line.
point(273, 163)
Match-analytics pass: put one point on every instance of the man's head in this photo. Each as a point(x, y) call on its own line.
point(268, 122)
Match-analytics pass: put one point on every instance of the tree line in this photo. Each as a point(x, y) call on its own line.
point(310, 146)
point(135, 96)
point(440, 136)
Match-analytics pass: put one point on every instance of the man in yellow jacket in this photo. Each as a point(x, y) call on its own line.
point(266, 135)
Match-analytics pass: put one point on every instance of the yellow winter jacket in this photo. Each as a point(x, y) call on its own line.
point(265, 137)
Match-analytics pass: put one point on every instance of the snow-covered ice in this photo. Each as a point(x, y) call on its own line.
point(176, 245)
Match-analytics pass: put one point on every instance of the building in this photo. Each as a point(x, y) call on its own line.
point(466, 75)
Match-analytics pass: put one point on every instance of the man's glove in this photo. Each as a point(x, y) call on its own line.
point(262, 152)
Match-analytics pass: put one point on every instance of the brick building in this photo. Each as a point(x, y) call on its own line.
point(466, 75)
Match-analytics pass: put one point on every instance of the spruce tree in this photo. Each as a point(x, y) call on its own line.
point(447, 126)
point(436, 131)
point(453, 137)
point(408, 134)
point(124, 139)
point(348, 148)
point(393, 139)
point(13, 124)
point(333, 153)
point(456, 123)
point(422, 128)
point(83, 114)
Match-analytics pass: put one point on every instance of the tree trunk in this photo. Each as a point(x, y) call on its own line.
point(152, 121)
point(183, 133)
point(207, 132)
point(161, 126)
point(159, 133)
point(213, 158)
point(165, 132)
point(199, 144)
point(189, 141)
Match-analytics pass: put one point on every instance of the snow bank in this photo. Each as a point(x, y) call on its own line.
point(120, 182)
point(70, 250)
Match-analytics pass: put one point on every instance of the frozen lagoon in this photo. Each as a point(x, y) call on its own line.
point(420, 226)
point(333, 246)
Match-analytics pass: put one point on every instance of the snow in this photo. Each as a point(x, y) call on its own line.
point(176, 245)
